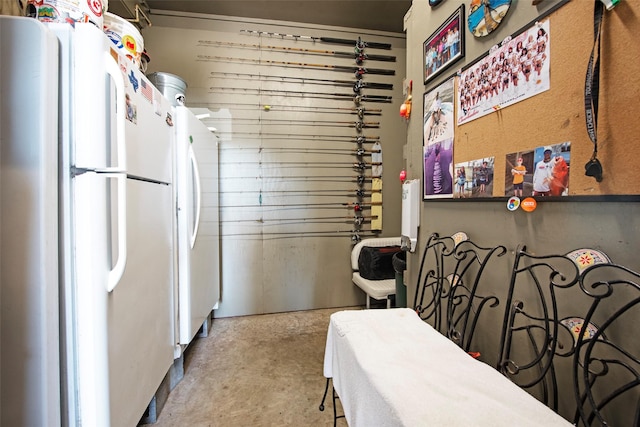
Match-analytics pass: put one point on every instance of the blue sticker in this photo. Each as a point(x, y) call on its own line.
point(134, 81)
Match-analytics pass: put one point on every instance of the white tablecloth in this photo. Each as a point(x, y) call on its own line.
point(390, 368)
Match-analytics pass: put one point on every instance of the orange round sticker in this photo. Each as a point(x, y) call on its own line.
point(529, 204)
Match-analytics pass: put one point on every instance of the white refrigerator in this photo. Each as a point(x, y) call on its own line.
point(86, 217)
point(198, 234)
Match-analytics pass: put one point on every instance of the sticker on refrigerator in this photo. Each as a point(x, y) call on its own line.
point(146, 89)
point(134, 81)
point(157, 103)
point(131, 110)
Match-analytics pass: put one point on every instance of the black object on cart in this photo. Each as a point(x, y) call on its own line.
point(399, 261)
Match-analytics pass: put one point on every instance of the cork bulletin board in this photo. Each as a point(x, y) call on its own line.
point(557, 116)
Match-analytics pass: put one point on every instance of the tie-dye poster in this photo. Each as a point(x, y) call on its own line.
point(438, 131)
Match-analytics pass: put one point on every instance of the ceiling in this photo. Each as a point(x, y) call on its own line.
point(383, 15)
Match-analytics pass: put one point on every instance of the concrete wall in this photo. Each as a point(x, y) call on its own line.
point(275, 255)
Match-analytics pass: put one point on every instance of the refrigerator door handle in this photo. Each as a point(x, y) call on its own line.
point(118, 269)
point(114, 71)
point(196, 173)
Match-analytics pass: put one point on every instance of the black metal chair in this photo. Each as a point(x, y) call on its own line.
point(568, 336)
point(449, 292)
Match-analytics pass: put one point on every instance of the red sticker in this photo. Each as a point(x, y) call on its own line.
point(95, 6)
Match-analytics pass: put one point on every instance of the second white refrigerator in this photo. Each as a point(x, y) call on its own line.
point(198, 236)
point(121, 163)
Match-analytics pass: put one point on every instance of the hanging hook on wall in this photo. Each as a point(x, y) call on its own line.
point(137, 11)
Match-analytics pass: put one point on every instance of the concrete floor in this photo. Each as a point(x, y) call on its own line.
point(263, 370)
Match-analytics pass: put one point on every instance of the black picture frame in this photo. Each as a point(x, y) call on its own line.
point(438, 55)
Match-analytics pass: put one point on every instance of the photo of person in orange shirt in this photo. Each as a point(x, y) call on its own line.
point(518, 172)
